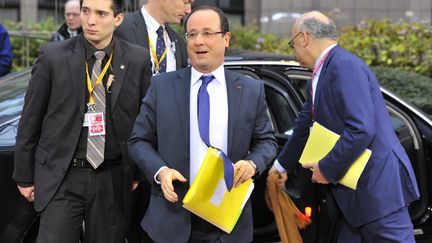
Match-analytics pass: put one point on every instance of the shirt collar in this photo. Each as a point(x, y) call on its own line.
point(90, 49)
point(218, 73)
point(151, 23)
point(323, 53)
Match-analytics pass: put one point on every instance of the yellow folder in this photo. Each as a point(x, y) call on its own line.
point(209, 198)
point(320, 142)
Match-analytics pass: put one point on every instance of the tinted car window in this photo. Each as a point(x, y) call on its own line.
point(281, 112)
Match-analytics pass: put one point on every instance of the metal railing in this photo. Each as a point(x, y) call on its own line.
point(26, 37)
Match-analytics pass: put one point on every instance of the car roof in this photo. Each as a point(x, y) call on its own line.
point(247, 55)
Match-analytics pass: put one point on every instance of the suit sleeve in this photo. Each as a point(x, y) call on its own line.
point(143, 142)
point(352, 97)
point(291, 152)
point(146, 76)
point(32, 117)
point(263, 145)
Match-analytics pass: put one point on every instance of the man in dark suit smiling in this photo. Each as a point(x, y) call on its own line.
point(186, 110)
point(71, 156)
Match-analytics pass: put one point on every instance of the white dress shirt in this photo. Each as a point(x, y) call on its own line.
point(277, 165)
point(218, 127)
point(152, 27)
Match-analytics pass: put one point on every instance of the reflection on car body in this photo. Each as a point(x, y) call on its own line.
point(285, 83)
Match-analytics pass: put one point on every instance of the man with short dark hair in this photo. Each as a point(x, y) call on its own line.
point(72, 25)
point(177, 122)
point(71, 154)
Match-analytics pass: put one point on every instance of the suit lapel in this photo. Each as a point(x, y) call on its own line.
point(140, 29)
point(182, 93)
point(119, 66)
point(234, 91)
point(76, 68)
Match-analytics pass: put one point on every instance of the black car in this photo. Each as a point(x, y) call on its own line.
point(285, 83)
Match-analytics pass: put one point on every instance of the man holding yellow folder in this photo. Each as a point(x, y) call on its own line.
point(345, 98)
point(183, 113)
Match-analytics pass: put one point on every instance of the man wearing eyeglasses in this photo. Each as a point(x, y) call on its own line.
point(72, 25)
point(345, 97)
point(185, 111)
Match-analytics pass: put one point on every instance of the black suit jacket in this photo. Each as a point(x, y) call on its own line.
point(134, 30)
point(54, 108)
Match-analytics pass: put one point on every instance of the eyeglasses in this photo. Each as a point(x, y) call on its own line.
point(204, 34)
point(291, 42)
point(74, 15)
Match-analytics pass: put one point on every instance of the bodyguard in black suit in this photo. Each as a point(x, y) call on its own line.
point(141, 26)
point(55, 163)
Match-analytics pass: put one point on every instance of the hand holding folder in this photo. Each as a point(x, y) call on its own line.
point(209, 198)
point(320, 142)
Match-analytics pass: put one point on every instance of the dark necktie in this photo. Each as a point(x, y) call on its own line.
point(96, 144)
point(160, 49)
point(203, 126)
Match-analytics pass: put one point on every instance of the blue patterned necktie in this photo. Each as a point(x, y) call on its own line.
point(204, 124)
point(160, 48)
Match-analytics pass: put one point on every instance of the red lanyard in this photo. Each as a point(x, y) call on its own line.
point(312, 78)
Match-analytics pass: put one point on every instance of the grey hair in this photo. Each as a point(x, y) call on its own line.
point(319, 29)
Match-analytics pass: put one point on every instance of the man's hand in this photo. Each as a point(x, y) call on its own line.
point(317, 176)
point(243, 171)
point(27, 192)
point(282, 176)
point(166, 177)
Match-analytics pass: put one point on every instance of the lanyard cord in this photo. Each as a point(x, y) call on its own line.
point(312, 78)
point(91, 88)
point(153, 52)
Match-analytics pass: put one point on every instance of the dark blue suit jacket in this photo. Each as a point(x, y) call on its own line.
point(161, 138)
point(349, 102)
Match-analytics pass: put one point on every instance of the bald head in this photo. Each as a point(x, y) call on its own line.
point(318, 25)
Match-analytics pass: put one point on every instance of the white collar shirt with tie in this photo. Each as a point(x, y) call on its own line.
point(218, 127)
point(152, 27)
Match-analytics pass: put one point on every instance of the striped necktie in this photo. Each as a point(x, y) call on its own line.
point(96, 144)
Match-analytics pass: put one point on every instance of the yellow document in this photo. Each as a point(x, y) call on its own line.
point(320, 142)
point(209, 198)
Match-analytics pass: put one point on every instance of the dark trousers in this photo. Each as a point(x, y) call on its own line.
point(204, 232)
point(395, 227)
point(89, 196)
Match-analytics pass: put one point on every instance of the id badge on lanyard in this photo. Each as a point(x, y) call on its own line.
point(95, 121)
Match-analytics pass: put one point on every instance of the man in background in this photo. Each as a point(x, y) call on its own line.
point(148, 27)
point(72, 25)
